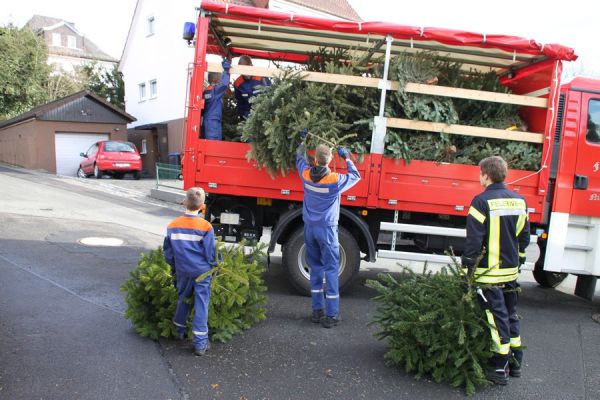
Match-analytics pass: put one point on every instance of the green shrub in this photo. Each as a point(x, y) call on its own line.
point(237, 299)
point(433, 326)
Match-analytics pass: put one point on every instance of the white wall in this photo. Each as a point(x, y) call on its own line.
point(163, 56)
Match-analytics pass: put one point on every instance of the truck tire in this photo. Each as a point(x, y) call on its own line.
point(547, 279)
point(298, 272)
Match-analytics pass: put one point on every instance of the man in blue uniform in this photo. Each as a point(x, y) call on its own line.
point(189, 249)
point(320, 212)
point(213, 102)
point(246, 87)
point(497, 235)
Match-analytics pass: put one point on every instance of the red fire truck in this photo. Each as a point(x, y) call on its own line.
point(399, 210)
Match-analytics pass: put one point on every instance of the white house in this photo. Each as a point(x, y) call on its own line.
point(67, 47)
point(155, 63)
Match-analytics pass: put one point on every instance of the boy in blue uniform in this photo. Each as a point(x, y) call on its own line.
point(320, 212)
point(213, 102)
point(189, 249)
point(246, 87)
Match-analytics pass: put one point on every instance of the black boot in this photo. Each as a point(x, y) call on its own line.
point(498, 371)
point(515, 363)
point(317, 315)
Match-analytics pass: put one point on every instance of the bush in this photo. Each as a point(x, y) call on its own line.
point(433, 326)
point(237, 299)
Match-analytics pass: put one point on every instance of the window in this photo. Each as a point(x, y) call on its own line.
point(153, 89)
point(150, 25)
point(142, 91)
point(144, 147)
point(72, 42)
point(593, 122)
point(56, 39)
point(114, 147)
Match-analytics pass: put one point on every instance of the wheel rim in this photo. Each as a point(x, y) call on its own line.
point(80, 173)
point(96, 170)
point(305, 269)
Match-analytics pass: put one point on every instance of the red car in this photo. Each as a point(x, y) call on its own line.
point(111, 157)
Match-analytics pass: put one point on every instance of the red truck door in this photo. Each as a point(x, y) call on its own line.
point(586, 182)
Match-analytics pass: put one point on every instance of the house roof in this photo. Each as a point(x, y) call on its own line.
point(338, 8)
point(40, 23)
point(40, 111)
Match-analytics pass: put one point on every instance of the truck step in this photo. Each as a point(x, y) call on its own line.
point(578, 247)
point(580, 224)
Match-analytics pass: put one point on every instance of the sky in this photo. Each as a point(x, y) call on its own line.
point(107, 22)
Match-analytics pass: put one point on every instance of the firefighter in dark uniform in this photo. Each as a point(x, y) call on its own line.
point(497, 235)
point(213, 102)
point(320, 213)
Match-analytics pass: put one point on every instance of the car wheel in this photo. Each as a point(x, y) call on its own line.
point(80, 173)
point(298, 271)
point(97, 172)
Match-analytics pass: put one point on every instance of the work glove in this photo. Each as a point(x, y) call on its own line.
point(226, 64)
point(303, 133)
point(521, 261)
point(342, 152)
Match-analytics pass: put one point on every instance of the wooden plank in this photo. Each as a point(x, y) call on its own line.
point(475, 95)
point(465, 130)
point(375, 82)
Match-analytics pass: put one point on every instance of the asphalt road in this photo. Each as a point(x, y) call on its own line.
point(63, 336)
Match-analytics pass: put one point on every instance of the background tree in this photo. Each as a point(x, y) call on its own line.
point(106, 83)
point(24, 71)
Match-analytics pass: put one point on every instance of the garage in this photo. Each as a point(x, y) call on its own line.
point(50, 137)
point(67, 148)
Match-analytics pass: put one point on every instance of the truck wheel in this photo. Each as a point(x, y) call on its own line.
point(548, 279)
point(298, 271)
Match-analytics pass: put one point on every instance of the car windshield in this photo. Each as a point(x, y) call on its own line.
point(119, 146)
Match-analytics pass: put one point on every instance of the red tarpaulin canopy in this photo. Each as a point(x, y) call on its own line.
point(291, 37)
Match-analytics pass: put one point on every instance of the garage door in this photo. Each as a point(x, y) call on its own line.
point(69, 145)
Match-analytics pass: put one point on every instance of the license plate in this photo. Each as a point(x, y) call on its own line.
point(121, 164)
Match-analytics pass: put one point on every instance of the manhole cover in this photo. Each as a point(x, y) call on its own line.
point(101, 241)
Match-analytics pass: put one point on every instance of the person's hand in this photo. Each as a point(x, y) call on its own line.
point(342, 152)
point(522, 260)
point(303, 133)
point(226, 64)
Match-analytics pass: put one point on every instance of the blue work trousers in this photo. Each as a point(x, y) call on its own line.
point(212, 129)
point(323, 257)
point(186, 286)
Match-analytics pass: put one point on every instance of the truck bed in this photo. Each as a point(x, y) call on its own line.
point(418, 186)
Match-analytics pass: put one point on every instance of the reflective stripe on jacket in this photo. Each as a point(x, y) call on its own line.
point(245, 89)
point(498, 228)
point(322, 199)
point(190, 245)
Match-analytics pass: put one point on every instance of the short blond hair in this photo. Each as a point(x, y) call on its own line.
point(194, 198)
point(322, 155)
